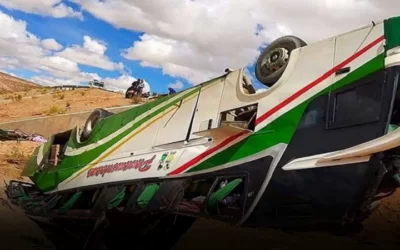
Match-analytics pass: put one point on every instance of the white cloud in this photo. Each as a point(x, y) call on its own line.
point(94, 46)
point(20, 49)
point(74, 80)
point(176, 85)
point(53, 8)
point(195, 40)
point(52, 81)
point(91, 54)
point(51, 44)
point(59, 66)
point(199, 39)
point(261, 90)
point(180, 59)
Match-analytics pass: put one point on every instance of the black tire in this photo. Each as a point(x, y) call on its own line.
point(93, 119)
point(288, 42)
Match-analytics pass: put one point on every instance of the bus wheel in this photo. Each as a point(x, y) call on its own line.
point(273, 60)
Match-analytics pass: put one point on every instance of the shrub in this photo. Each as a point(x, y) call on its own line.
point(54, 110)
point(16, 155)
point(136, 100)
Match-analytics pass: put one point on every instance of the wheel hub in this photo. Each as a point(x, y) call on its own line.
point(275, 60)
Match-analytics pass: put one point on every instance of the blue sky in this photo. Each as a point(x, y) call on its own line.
point(70, 31)
point(176, 42)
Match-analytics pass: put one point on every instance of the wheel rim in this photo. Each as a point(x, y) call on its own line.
point(274, 61)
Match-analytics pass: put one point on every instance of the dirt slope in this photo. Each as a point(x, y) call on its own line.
point(10, 83)
point(44, 102)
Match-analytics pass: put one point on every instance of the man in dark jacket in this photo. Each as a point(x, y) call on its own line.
point(171, 91)
point(135, 89)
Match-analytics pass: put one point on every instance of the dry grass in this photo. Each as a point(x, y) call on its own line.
point(137, 100)
point(44, 91)
point(36, 103)
point(55, 110)
point(15, 97)
point(59, 95)
point(16, 155)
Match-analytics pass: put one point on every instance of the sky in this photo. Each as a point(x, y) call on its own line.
point(174, 43)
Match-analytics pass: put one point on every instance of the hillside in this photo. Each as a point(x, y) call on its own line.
point(10, 83)
point(43, 102)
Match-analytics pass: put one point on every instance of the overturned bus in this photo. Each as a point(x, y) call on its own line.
point(315, 150)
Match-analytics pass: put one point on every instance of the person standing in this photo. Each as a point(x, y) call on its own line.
point(140, 87)
point(171, 91)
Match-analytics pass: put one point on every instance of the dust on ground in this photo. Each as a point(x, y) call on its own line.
point(382, 229)
point(45, 102)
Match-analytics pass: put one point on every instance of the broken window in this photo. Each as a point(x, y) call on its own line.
point(57, 149)
point(227, 198)
point(143, 196)
point(243, 117)
point(194, 196)
point(218, 197)
point(86, 200)
point(120, 200)
point(169, 192)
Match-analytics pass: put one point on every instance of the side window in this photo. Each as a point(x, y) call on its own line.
point(243, 117)
point(194, 196)
point(314, 115)
point(75, 201)
point(120, 199)
point(219, 197)
point(86, 200)
point(356, 105)
point(227, 199)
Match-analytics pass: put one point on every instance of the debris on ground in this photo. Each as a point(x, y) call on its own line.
point(18, 135)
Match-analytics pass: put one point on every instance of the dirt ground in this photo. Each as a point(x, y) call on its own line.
point(382, 229)
point(44, 102)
